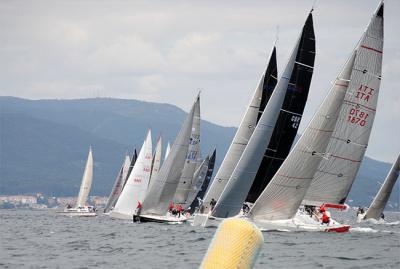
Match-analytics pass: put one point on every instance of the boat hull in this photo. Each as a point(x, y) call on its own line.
point(78, 212)
point(160, 219)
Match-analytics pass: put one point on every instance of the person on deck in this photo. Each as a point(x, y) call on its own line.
point(212, 204)
point(179, 210)
point(170, 207)
point(325, 217)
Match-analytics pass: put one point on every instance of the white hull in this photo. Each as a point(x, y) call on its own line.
point(360, 218)
point(78, 212)
point(301, 222)
point(118, 215)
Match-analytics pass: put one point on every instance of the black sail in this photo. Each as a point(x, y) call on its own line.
point(291, 113)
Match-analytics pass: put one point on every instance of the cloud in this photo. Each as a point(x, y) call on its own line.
point(165, 51)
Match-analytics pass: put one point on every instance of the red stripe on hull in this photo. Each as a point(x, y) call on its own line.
point(341, 229)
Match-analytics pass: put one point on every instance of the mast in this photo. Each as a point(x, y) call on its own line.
point(290, 114)
point(381, 199)
point(235, 192)
point(264, 89)
point(163, 187)
point(86, 181)
point(335, 175)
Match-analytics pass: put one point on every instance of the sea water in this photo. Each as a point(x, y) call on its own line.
point(43, 239)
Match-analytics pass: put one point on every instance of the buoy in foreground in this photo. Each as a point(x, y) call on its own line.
point(236, 244)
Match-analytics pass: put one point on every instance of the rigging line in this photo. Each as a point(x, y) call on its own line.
point(305, 65)
point(290, 112)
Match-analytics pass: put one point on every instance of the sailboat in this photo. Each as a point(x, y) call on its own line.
point(118, 184)
point(164, 185)
point(336, 137)
point(246, 128)
point(290, 114)
point(136, 186)
point(191, 163)
point(81, 209)
point(377, 206)
point(156, 162)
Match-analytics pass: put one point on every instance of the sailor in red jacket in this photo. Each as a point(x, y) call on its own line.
point(179, 209)
point(325, 217)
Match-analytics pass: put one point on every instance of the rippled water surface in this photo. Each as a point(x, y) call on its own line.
point(42, 239)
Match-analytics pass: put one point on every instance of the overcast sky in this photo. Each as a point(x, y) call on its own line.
point(164, 51)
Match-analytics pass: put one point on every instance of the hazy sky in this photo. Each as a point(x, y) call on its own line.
point(164, 51)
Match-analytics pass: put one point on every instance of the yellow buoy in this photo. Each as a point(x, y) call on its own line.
point(236, 244)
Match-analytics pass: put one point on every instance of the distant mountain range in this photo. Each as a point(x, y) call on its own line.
point(44, 144)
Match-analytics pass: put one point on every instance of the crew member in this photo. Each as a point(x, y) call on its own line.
point(212, 204)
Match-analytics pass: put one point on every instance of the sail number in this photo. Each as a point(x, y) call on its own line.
point(364, 93)
point(357, 116)
point(295, 121)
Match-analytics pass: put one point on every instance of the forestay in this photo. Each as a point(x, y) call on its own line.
point(349, 141)
point(86, 181)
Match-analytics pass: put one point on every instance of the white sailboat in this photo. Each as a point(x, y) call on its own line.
point(163, 187)
point(375, 211)
point(136, 186)
point(156, 163)
point(338, 132)
point(81, 209)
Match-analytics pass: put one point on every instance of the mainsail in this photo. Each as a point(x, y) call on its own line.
point(349, 141)
point(137, 183)
point(191, 162)
point(235, 192)
point(290, 114)
point(86, 181)
point(283, 195)
point(380, 200)
point(163, 187)
point(118, 184)
point(244, 132)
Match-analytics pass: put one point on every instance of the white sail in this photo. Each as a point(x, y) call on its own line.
point(349, 141)
point(239, 143)
point(137, 183)
point(198, 180)
point(191, 162)
point(86, 181)
point(156, 159)
point(163, 187)
point(283, 195)
point(118, 184)
point(167, 151)
point(235, 192)
point(381, 199)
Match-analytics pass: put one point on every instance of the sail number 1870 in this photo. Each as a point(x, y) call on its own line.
point(357, 117)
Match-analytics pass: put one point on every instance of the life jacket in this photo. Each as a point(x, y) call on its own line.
point(325, 218)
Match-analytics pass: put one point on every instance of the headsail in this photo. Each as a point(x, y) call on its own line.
point(283, 195)
point(349, 141)
point(167, 151)
point(117, 188)
point(86, 181)
point(137, 183)
point(291, 112)
point(191, 162)
point(380, 200)
point(163, 187)
point(235, 192)
point(133, 161)
point(249, 121)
